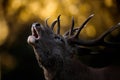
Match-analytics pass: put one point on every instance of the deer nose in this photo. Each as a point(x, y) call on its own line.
point(36, 25)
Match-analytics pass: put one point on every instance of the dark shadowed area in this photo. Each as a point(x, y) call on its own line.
point(17, 59)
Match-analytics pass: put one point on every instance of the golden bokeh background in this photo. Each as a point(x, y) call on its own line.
point(17, 16)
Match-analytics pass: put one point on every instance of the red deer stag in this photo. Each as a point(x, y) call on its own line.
point(56, 53)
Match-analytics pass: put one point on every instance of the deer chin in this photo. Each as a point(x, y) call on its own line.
point(31, 39)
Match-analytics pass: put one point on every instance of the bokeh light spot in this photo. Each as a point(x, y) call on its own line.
point(8, 62)
point(90, 31)
point(108, 3)
point(4, 31)
point(48, 10)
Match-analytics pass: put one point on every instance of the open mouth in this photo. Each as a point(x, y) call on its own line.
point(35, 32)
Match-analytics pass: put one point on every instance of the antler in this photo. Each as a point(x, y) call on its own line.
point(53, 24)
point(46, 22)
point(72, 30)
point(72, 35)
point(74, 39)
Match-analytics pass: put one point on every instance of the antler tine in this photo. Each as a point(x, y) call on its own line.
point(83, 25)
point(98, 41)
point(101, 38)
point(71, 30)
point(67, 32)
point(53, 24)
point(58, 29)
point(46, 22)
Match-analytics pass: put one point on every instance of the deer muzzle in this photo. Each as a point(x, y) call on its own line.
point(36, 30)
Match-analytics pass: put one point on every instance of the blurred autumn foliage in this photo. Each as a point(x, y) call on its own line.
point(17, 60)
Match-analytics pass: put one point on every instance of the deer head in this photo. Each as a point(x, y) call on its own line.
point(54, 51)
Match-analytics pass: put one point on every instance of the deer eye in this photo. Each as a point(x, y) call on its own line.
point(57, 38)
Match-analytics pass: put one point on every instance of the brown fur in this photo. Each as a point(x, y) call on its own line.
point(56, 56)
